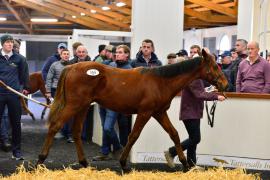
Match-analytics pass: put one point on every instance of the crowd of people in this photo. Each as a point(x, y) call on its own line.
point(245, 70)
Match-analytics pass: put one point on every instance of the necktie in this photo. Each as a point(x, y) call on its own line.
point(7, 57)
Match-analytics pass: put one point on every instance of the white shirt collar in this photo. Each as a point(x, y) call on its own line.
point(9, 54)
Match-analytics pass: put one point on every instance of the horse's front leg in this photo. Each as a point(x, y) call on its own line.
point(140, 122)
point(76, 132)
point(165, 122)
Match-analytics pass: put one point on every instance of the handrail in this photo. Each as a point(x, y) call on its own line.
point(243, 95)
point(247, 95)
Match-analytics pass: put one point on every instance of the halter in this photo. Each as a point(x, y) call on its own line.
point(211, 113)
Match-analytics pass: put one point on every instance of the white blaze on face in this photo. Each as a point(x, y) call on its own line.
point(92, 72)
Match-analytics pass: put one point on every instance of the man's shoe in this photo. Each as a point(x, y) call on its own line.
point(59, 135)
point(102, 157)
point(117, 153)
point(70, 140)
point(169, 159)
point(17, 156)
point(6, 146)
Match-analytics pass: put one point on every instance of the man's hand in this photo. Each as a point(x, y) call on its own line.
point(25, 92)
point(221, 98)
point(48, 95)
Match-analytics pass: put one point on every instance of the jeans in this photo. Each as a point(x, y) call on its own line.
point(66, 130)
point(109, 136)
point(190, 144)
point(124, 124)
point(4, 126)
point(88, 126)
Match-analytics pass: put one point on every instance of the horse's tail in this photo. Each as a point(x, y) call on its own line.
point(59, 99)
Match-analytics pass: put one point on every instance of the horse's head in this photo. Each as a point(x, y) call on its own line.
point(212, 73)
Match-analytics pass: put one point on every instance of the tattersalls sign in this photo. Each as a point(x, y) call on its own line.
point(210, 160)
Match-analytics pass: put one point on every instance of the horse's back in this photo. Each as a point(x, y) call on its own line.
point(36, 82)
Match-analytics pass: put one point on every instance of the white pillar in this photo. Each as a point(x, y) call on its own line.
point(253, 22)
point(160, 21)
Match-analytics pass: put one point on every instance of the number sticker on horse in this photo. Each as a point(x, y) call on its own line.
point(92, 72)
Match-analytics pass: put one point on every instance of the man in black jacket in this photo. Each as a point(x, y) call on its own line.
point(12, 73)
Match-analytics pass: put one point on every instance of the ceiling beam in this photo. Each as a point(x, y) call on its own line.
point(194, 23)
point(215, 7)
point(113, 7)
point(214, 1)
point(228, 5)
point(209, 18)
point(127, 2)
point(39, 6)
point(90, 7)
point(98, 24)
point(17, 16)
point(87, 12)
point(4, 12)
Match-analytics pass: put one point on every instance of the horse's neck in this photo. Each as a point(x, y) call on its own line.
point(176, 84)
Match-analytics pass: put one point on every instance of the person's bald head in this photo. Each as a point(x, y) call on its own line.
point(253, 49)
point(81, 52)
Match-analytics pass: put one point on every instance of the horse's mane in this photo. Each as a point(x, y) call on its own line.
point(174, 69)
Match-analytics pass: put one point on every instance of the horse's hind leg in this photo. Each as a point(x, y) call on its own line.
point(164, 121)
point(65, 115)
point(26, 109)
point(76, 132)
point(140, 122)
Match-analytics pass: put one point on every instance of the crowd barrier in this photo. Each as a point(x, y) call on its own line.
point(240, 136)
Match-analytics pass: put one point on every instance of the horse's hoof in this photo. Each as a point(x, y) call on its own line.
point(126, 170)
point(84, 163)
point(33, 117)
point(186, 169)
point(41, 159)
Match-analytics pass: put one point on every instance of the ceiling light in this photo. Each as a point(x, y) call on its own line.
point(105, 8)
point(3, 19)
point(43, 20)
point(82, 14)
point(93, 11)
point(73, 17)
point(120, 4)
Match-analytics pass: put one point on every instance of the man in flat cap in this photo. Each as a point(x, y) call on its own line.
point(12, 67)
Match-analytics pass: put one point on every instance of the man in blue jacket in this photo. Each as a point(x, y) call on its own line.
point(52, 59)
point(146, 56)
point(12, 66)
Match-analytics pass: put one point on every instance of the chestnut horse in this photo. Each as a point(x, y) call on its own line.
point(143, 91)
point(36, 83)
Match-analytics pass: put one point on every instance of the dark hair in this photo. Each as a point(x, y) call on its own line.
point(243, 41)
point(64, 50)
point(171, 55)
point(150, 41)
point(76, 44)
point(233, 50)
point(101, 47)
point(125, 48)
point(18, 41)
point(196, 47)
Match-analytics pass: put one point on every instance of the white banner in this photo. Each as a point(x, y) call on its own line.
point(210, 160)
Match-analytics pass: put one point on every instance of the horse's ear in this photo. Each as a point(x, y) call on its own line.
point(204, 53)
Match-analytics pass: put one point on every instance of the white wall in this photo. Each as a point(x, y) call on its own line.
point(192, 37)
point(239, 136)
point(159, 21)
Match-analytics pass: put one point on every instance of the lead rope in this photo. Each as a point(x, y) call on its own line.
point(211, 114)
